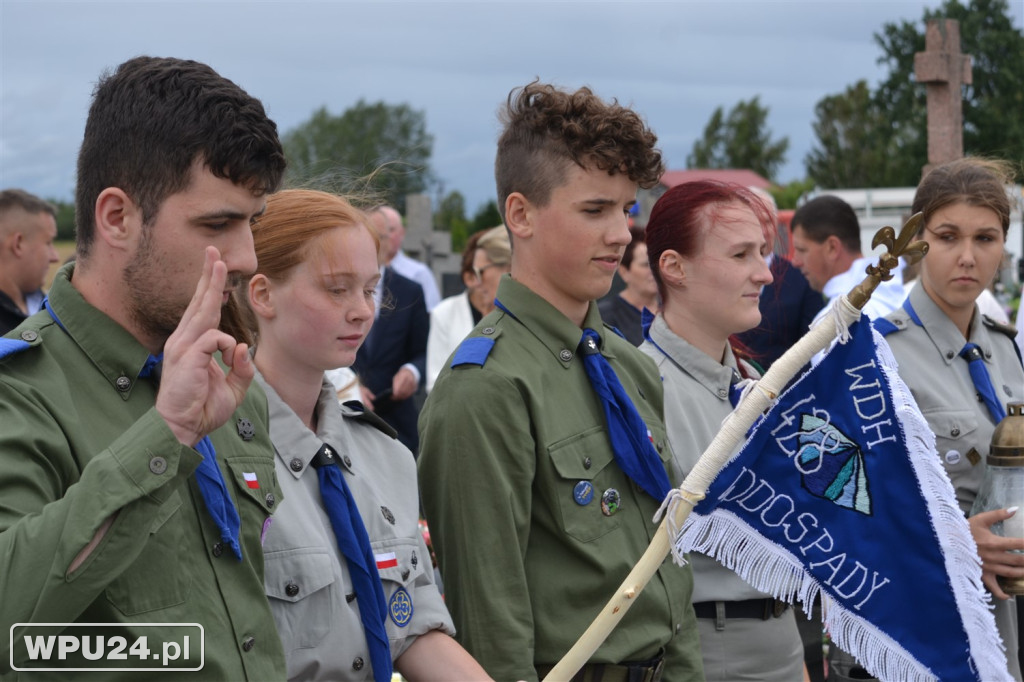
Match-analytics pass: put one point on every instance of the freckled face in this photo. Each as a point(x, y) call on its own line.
point(324, 310)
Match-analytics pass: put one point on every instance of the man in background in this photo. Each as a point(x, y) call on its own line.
point(28, 226)
point(389, 225)
point(826, 248)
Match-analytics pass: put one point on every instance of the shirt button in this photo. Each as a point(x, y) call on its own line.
point(295, 464)
point(218, 549)
point(405, 574)
point(950, 355)
point(587, 463)
point(29, 335)
point(679, 628)
point(723, 393)
point(248, 643)
point(291, 589)
point(158, 465)
point(123, 383)
point(357, 663)
point(955, 432)
point(488, 330)
point(565, 355)
point(347, 460)
point(270, 500)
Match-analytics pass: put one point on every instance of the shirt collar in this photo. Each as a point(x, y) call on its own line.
point(293, 440)
point(715, 377)
point(553, 329)
point(112, 349)
point(943, 332)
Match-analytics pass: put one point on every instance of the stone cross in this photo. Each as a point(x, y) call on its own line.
point(943, 69)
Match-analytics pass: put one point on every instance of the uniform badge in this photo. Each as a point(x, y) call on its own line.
point(400, 607)
point(388, 516)
point(610, 501)
point(245, 429)
point(583, 493)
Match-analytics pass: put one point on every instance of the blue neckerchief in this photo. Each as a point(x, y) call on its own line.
point(354, 543)
point(976, 366)
point(631, 442)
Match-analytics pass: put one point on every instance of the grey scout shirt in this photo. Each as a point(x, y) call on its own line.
point(307, 578)
point(940, 381)
point(80, 440)
point(696, 402)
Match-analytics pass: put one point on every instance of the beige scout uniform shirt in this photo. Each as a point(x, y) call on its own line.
point(940, 381)
point(307, 579)
point(696, 402)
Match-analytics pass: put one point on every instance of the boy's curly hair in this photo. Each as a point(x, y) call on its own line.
point(545, 129)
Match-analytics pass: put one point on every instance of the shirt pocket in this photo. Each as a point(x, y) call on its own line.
point(956, 441)
point(400, 567)
point(254, 479)
point(300, 584)
point(583, 476)
point(156, 579)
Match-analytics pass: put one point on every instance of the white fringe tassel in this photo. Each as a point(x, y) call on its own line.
point(772, 569)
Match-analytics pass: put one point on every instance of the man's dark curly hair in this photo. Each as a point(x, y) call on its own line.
point(546, 129)
point(152, 119)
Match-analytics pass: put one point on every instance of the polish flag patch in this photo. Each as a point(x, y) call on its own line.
point(388, 560)
point(250, 480)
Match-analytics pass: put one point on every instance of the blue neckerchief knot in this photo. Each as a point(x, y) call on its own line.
point(354, 543)
point(208, 476)
point(631, 442)
point(982, 381)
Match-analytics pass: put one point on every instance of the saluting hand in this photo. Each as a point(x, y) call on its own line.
point(196, 396)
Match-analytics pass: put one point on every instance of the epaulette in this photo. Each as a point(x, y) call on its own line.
point(353, 409)
point(1009, 330)
point(614, 329)
point(12, 346)
point(475, 349)
point(998, 326)
point(885, 327)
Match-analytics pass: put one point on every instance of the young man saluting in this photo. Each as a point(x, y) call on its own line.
point(523, 465)
point(133, 491)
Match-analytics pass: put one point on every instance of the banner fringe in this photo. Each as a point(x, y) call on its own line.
point(770, 568)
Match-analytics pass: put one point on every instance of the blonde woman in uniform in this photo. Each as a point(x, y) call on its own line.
point(966, 219)
point(312, 300)
point(707, 242)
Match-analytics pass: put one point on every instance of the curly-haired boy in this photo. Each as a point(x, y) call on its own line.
point(534, 517)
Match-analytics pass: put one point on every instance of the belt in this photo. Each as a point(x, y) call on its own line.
point(759, 609)
point(641, 671)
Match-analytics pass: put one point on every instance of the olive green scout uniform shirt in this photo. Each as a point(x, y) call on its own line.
point(503, 446)
point(80, 440)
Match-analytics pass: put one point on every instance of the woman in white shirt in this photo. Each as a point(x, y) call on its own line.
point(487, 256)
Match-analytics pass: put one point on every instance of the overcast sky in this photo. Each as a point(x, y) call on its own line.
point(673, 62)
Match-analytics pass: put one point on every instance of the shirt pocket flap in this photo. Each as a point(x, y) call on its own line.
point(953, 424)
point(296, 574)
point(254, 478)
point(583, 455)
point(398, 561)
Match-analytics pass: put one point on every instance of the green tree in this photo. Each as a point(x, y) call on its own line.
point(486, 217)
point(451, 217)
point(378, 148)
point(65, 219)
point(786, 196)
point(740, 140)
point(851, 150)
point(891, 145)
